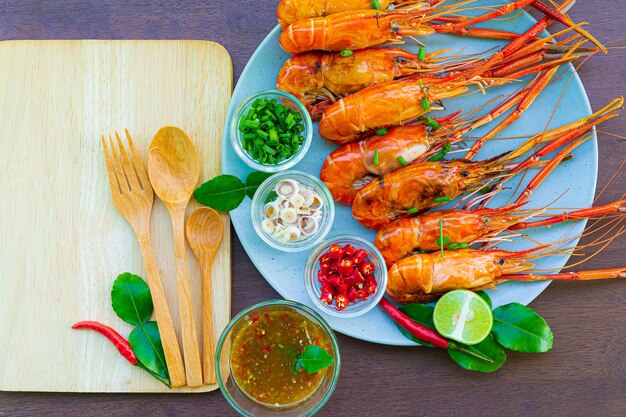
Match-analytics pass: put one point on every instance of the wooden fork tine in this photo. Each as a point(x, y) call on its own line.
point(113, 180)
point(137, 161)
point(119, 171)
point(128, 166)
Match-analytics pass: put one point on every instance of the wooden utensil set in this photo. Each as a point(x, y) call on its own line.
point(173, 173)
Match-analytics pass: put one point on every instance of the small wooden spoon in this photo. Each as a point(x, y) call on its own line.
point(204, 234)
point(174, 169)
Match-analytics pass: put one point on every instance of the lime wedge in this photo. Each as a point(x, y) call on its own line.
point(463, 316)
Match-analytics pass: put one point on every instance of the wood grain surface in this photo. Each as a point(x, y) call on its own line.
point(585, 373)
point(64, 242)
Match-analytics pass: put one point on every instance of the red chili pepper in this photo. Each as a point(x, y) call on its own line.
point(341, 289)
point(360, 256)
point(335, 251)
point(325, 258)
point(349, 250)
point(332, 268)
point(352, 279)
point(335, 280)
point(341, 301)
point(327, 296)
point(122, 345)
point(367, 268)
point(345, 267)
point(352, 294)
point(321, 276)
point(421, 332)
point(371, 287)
point(363, 295)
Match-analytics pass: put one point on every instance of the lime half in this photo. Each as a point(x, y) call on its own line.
point(463, 316)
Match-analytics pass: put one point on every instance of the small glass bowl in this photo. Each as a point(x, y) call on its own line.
point(238, 399)
point(264, 191)
point(287, 100)
point(313, 286)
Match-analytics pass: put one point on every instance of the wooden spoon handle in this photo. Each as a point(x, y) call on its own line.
point(208, 347)
point(191, 349)
point(169, 340)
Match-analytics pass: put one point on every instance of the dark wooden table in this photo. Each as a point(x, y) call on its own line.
point(585, 373)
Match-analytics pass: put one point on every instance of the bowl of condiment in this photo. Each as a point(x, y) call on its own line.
point(345, 276)
point(264, 357)
point(271, 131)
point(292, 211)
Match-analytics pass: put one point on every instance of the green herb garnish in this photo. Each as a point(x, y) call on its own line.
point(412, 210)
point(519, 328)
point(442, 199)
point(436, 157)
point(226, 192)
point(313, 359)
point(421, 54)
point(346, 52)
point(381, 132)
point(441, 237)
point(375, 157)
point(432, 123)
point(402, 161)
point(271, 132)
point(132, 302)
point(376, 4)
point(515, 327)
point(425, 104)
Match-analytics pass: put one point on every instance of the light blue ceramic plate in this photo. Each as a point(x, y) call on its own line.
point(573, 181)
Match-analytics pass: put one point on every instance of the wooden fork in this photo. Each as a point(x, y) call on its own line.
point(133, 197)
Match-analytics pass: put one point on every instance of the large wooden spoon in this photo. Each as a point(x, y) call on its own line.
point(204, 234)
point(174, 169)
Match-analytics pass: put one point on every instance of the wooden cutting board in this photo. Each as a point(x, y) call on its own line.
point(63, 243)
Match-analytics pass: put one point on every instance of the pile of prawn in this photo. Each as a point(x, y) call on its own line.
point(373, 98)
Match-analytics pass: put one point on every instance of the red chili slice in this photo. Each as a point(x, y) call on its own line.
point(366, 268)
point(335, 251)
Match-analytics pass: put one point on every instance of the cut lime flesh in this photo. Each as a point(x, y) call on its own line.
point(463, 316)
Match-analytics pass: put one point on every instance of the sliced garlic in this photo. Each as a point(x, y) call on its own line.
point(295, 213)
point(287, 188)
point(308, 225)
point(293, 233)
point(268, 226)
point(307, 193)
point(317, 202)
point(289, 215)
point(297, 200)
point(271, 210)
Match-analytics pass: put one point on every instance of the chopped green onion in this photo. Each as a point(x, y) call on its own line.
point(376, 4)
point(402, 161)
point(421, 85)
point(443, 241)
point(446, 148)
point(375, 157)
point(345, 52)
point(484, 190)
point(436, 157)
point(442, 199)
point(280, 345)
point(381, 132)
point(425, 104)
point(412, 210)
point(422, 251)
point(453, 246)
point(421, 54)
point(432, 123)
point(270, 131)
point(441, 236)
point(463, 245)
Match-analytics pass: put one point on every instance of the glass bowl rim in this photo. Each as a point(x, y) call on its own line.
point(235, 134)
point(370, 303)
point(297, 306)
point(325, 227)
